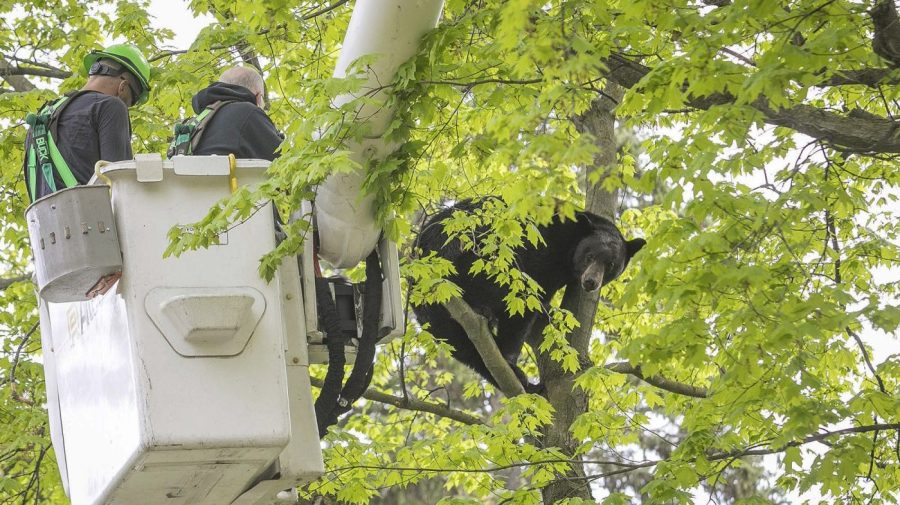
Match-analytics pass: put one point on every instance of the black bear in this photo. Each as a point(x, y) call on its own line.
point(589, 250)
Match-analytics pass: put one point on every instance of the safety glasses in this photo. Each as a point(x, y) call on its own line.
point(134, 92)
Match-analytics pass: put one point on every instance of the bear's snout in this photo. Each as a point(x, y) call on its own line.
point(592, 278)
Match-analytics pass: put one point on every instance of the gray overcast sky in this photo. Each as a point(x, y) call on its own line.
point(175, 15)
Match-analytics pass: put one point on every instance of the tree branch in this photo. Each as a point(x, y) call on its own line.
point(33, 71)
point(796, 443)
point(717, 456)
point(853, 133)
point(415, 404)
point(11, 380)
point(865, 355)
point(657, 380)
point(307, 17)
point(472, 84)
point(625, 467)
point(886, 40)
point(492, 469)
point(6, 282)
point(476, 327)
point(174, 52)
point(871, 77)
point(17, 82)
point(323, 10)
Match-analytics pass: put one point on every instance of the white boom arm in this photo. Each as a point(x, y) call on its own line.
point(393, 30)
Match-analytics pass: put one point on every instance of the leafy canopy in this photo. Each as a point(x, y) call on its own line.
point(761, 169)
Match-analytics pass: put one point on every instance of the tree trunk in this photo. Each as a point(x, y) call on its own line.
point(569, 403)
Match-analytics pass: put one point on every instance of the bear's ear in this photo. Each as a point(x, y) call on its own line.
point(585, 219)
point(634, 245)
point(590, 223)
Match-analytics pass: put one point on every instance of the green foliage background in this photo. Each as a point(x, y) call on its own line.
point(768, 251)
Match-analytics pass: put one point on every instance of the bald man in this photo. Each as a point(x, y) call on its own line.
point(239, 127)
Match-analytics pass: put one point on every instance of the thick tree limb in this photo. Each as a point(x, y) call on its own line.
point(479, 332)
point(34, 71)
point(850, 132)
point(871, 77)
point(415, 404)
point(6, 282)
point(863, 135)
point(886, 41)
point(18, 82)
point(477, 328)
point(656, 380)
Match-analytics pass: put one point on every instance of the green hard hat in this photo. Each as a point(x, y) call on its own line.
point(131, 58)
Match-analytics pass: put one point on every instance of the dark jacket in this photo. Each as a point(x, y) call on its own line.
point(93, 127)
point(239, 128)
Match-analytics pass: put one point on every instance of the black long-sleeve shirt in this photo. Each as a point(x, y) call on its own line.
point(240, 128)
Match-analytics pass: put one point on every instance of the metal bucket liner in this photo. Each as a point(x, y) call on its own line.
point(74, 240)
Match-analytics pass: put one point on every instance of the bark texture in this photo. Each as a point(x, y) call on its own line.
point(850, 132)
point(569, 402)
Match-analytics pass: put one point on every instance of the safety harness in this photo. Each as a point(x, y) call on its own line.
point(189, 132)
point(43, 162)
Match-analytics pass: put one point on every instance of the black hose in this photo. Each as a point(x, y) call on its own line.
point(361, 376)
point(335, 340)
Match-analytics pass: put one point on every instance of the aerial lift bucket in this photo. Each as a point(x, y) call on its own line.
point(186, 383)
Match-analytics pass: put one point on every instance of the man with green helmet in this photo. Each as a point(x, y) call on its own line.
point(69, 135)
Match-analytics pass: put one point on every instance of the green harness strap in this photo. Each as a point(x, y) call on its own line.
point(43, 151)
point(189, 132)
point(32, 174)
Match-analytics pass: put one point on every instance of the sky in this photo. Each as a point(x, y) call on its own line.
point(175, 15)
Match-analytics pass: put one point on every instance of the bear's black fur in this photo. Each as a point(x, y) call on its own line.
point(589, 250)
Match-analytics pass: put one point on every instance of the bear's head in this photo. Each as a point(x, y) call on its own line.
point(602, 253)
